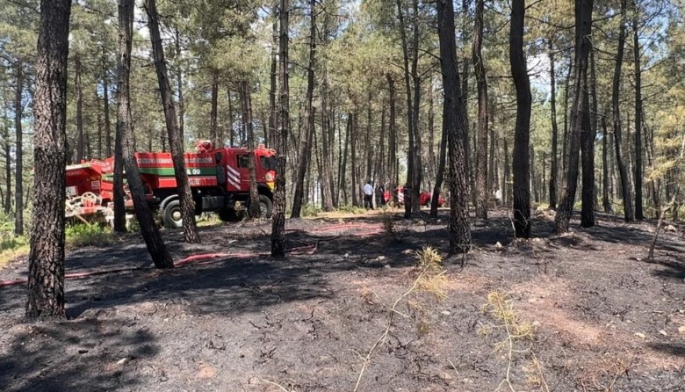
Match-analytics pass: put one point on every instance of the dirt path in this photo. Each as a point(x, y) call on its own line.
point(601, 319)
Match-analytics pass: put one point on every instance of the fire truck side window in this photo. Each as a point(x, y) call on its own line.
point(243, 161)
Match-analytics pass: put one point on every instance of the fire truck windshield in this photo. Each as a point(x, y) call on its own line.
point(268, 163)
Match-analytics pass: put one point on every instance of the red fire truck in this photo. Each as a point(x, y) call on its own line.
point(219, 180)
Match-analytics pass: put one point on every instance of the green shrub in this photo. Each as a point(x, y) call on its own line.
point(310, 210)
point(89, 235)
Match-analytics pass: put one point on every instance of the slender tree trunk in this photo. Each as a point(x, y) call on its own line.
point(19, 151)
point(108, 124)
point(273, 76)
point(281, 137)
point(8, 172)
point(554, 167)
point(587, 140)
point(567, 92)
point(579, 115)
point(392, 138)
point(367, 147)
point(187, 203)
point(148, 227)
point(439, 176)
point(46, 257)
point(483, 194)
point(410, 110)
point(179, 85)
point(213, 113)
point(416, 79)
point(309, 119)
point(80, 146)
point(615, 100)
point(231, 141)
point(506, 193)
point(353, 131)
point(639, 215)
point(342, 182)
point(254, 205)
point(326, 148)
point(606, 202)
point(521, 158)
point(455, 127)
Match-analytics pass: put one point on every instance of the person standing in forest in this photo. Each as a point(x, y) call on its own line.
point(368, 195)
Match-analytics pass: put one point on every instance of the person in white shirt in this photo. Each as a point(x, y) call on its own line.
point(368, 195)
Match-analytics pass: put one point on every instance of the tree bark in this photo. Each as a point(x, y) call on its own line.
point(587, 140)
point(309, 119)
point(327, 148)
point(521, 155)
point(46, 257)
point(454, 126)
point(273, 76)
point(392, 138)
point(254, 205)
point(19, 151)
point(8, 171)
point(281, 138)
point(148, 227)
point(615, 101)
point(639, 214)
point(179, 84)
point(606, 202)
point(554, 167)
point(483, 194)
point(105, 98)
point(80, 145)
point(579, 115)
point(213, 112)
point(185, 195)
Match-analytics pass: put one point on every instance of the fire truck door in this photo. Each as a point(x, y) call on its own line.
point(243, 168)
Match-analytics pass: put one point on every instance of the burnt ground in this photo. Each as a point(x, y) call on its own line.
point(602, 318)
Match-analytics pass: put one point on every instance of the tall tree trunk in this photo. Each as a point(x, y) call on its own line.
point(416, 80)
point(615, 101)
point(254, 205)
point(353, 131)
point(638, 117)
point(281, 137)
point(309, 119)
point(483, 194)
point(579, 115)
point(327, 148)
point(96, 98)
point(454, 126)
point(410, 111)
point(187, 204)
point(506, 192)
point(439, 176)
point(466, 62)
point(521, 158)
point(587, 140)
point(392, 138)
point(108, 125)
point(554, 167)
point(19, 151)
point(80, 145)
point(565, 142)
point(213, 113)
point(231, 141)
point(148, 227)
point(367, 142)
point(46, 257)
point(273, 76)
point(342, 169)
point(606, 202)
point(179, 85)
point(8, 172)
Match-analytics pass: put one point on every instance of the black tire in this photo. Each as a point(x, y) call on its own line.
point(172, 215)
point(265, 207)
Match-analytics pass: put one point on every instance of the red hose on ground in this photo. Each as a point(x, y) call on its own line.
point(309, 249)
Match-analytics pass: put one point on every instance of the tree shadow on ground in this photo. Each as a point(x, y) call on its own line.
point(83, 355)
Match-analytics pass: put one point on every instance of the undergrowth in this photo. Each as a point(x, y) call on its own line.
point(89, 235)
point(352, 209)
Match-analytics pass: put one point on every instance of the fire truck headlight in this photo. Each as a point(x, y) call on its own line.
point(269, 177)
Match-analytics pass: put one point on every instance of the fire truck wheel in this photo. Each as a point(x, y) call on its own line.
point(265, 206)
point(172, 215)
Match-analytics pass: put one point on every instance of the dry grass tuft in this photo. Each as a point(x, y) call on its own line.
point(518, 339)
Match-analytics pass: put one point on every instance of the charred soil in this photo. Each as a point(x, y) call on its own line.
point(580, 312)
